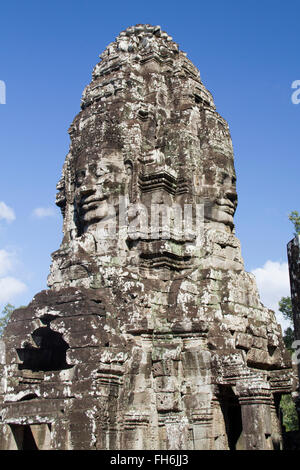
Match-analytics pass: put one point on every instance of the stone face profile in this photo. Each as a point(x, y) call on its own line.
point(151, 334)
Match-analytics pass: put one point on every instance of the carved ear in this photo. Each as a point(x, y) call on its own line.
point(61, 195)
point(128, 165)
point(129, 172)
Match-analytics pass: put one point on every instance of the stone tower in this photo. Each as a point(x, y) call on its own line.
point(151, 334)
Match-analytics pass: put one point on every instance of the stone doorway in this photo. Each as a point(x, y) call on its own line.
point(30, 437)
point(232, 414)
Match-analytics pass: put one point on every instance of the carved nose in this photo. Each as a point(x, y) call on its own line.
point(87, 186)
point(231, 194)
point(86, 190)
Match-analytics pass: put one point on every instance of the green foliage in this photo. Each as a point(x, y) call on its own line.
point(285, 307)
point(294, 217)
point(289, 338)
point(5, 316)
point(289, 414)
point(287, 405)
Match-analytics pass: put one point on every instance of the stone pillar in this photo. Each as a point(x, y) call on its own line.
point(276, 423)
point(219, 432)
point(136, 429)
point(202, 429)
point(255, 401)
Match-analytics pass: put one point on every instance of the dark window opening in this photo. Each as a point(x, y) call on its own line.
point(28, 439)
point(30, 396)
point(47, 319)
point(49, 355)
point(131, 243)
point(232, 414)
point(271, 350)
point(31, 437)
point(23, 437)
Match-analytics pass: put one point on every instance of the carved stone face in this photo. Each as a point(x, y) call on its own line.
point(220, 196)
point(99, 181)
point(225, 204)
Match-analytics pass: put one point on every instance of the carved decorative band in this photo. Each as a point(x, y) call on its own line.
point(256, 400)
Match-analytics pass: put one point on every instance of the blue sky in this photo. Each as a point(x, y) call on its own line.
point(247, 54)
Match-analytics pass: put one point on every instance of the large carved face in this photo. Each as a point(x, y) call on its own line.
point(99, 180)
point(219, 194)
point(224, 205)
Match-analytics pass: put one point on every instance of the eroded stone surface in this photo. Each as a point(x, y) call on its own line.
point(293, 250)
point(153, 338)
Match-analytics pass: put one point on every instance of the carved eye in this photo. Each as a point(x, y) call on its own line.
point(80, 175)
point(101, 170)
point(128, 167)
point(226, 180)
point(93, 169)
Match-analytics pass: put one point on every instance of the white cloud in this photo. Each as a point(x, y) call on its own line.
point(273, 283)
point(41, 212)
point(6, 212)
point(6, 262)
point(9, 288)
